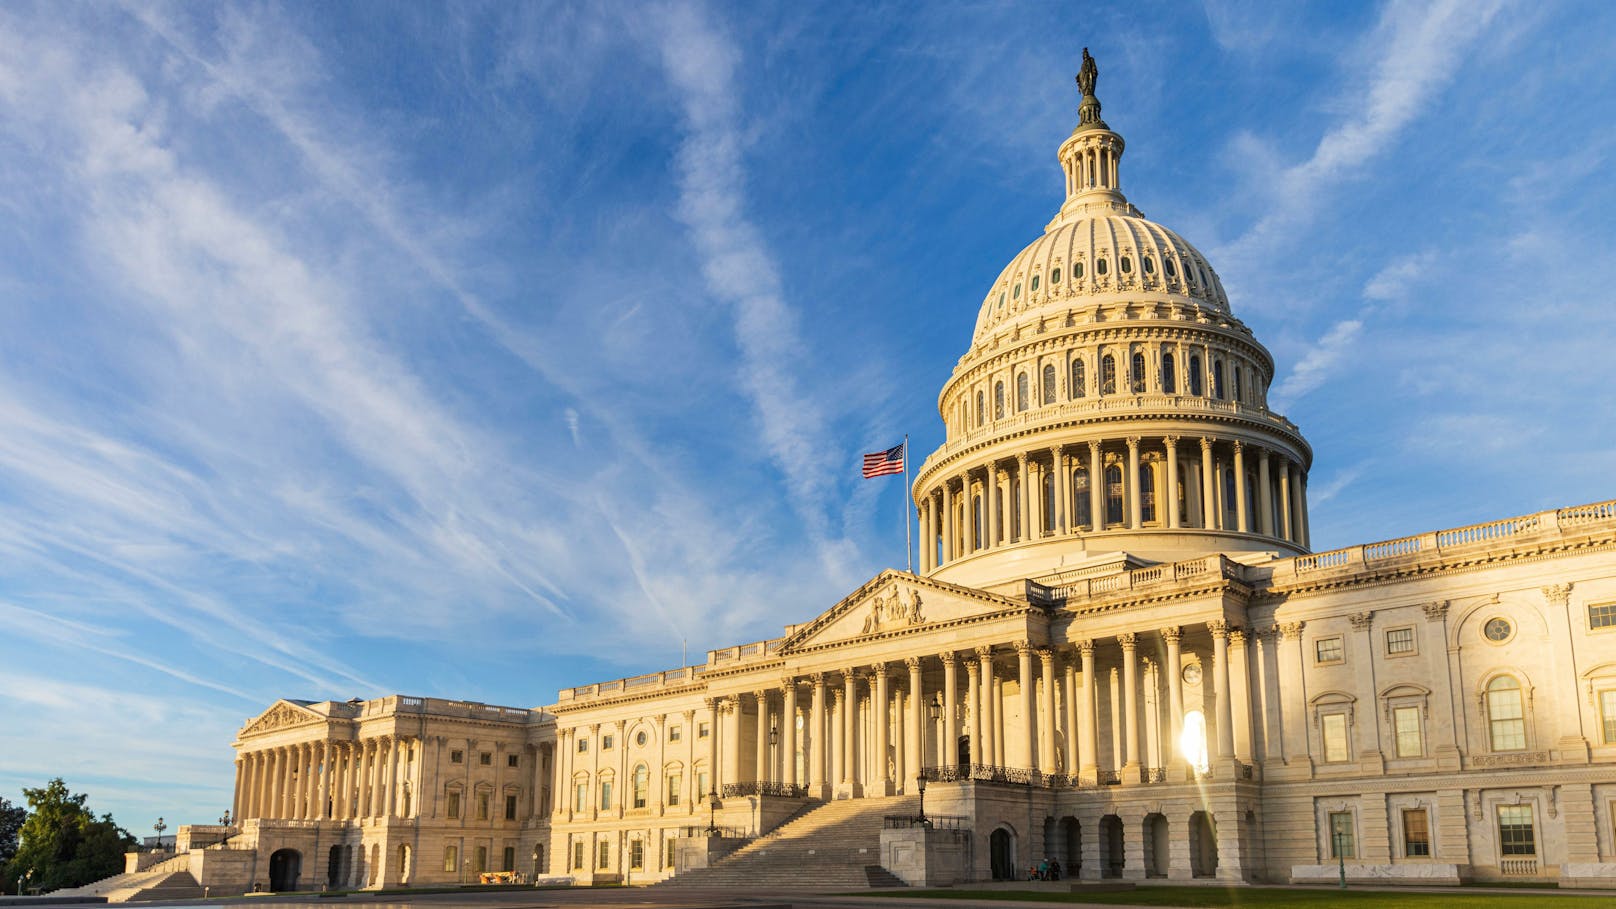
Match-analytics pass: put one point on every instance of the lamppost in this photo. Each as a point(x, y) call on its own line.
point(24, 877)
point(1341, 856)
point(712, 813)
point(774, 739)
point(159, 827)
point(224, 819)
point(934, 712)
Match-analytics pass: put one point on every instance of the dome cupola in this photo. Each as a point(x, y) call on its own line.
point(1109, 405)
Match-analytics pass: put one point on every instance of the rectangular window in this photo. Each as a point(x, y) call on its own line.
point(580, 802)
point(1328, 650)
point(510, 810)
point(1407, 721)
point(451, 859)
point(511, 760)
point(454, 804)
point(674, 780)
point(457, 757)
point(508, 859)
point(605, 858)
point(605, 743)
point(1341, 841)
point(1399, 640)
point(1602, 616)
point(668, 851)
point(486, 759)
point(701, 783)
point(1335, 737)
point(606, 795)
point(702, 730)
point(1416, 833)
point(583, 745)
point(578, 855)
point(1515, 835)
point(674, 733)
point(636, 854)
point(1607, 715)
point(482, 806)
point(482, 860)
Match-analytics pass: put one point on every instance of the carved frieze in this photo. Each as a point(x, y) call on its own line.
point(279, 717)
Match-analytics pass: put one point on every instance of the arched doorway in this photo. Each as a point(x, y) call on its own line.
point(404, 863)
point(1002, 852)
point(1111, 859)
point(333, 869)
point(1073, 859)
point(962, 754)
point(1156, 845)
point(538, 861)
point(284, 865)
point(1203, 845)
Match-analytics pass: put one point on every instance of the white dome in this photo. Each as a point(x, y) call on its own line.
point(1118, 252)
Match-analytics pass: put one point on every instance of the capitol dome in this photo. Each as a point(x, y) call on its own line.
point(1110, 407)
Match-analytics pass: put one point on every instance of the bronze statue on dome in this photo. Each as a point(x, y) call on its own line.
point(1087, 75)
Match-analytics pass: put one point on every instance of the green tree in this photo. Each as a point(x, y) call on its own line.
point(11, 818)
point(63, 843)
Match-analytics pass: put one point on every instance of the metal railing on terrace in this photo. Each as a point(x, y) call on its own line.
point(1457, 538)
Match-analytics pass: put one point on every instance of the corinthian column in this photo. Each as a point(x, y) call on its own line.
point(948, 740)
point(818, 738)
point(1209, 501)
point(788, 731)
point(1090, 727)
point(1046, 737)
point(1241, 521)
point(1097, 491)
point(1132, 484)
point(761, 764)
point(880, 699)
point(914, 745)
point(1130, 705)
point(976, 728)
point(1029, 708)
point(1025, 499)
point(990, 510)
point(1172, 481)
point(1175, 690)
point(968, 538)
point(1220, 675)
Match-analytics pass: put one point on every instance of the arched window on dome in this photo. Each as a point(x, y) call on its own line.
point(1136, 373)
point(1170, 268)
point(1148, 264)
point(1506, 715)
point(1023, 393)
point(1034, 283)
point(1197, 383)
point(1169, 373)
point(1126, 264)
point(978, 528)
point(1079, 386)
point(1239, 384)
point(1108, 375)
point(998, 400)
point(1099, 267)
point(1217, 379)
point(1077, 270)
point(981, 408)
point(1015, 294)
point(1055, 276)
point(1229, 505)
point(1049, 383)
point(1080, 496)
point(1147, 493)
point(1113, 495)
point(1049, 501)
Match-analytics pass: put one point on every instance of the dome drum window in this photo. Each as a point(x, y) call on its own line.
point(1167, 266)
point(1099, 267)
point(1015, 294)
point(1034, 283)
point(1077, 270)
point(1055, 276)
point(1126, 265)
point(1149, 265)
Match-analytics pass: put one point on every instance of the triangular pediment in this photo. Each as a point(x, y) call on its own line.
point(281, 714)
point(892, 602)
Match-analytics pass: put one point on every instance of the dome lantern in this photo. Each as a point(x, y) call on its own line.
point(1091, 155)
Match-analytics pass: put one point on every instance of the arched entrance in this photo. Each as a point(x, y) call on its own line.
point(1156, 845)
point(962, 754)
point(404, 863)
point(1002, 852)
point(1111, 859)
point(538, 861)
point(284, 865)
point(1203, 845)
point(1073, 859)
point(333, 869)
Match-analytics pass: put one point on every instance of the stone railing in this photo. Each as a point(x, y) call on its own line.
point(663, 679)
point(765, 788)
point(935, 821)
point(740, 652)
point(1518, 867)
point(1063, 588)
point(1492, 532)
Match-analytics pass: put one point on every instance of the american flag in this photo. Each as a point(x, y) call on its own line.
point(881, 463)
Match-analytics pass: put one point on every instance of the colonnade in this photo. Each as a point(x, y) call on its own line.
point(368, 778)
point(869, 730)
point(1113, 484)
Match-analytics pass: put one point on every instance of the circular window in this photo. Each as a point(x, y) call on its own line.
point(1126, 264)
point(1035, 283)
point(1016, 294)
point(1099, 266)
point(1192, 674)
point(1497, 630)
point(639, 738)
point(1054, 276)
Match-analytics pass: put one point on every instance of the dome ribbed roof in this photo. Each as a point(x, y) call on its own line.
point(1138, 257)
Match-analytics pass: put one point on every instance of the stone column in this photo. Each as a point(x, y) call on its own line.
point(968, 535)
point(1175, 692)
point(1096, 489)
point(1172, 481)
point(1298, 525)
point(1069, 673)
point(915, 740)
point(1130, 706)
point(880, 699)
point(1025, 499)
point(1285, 499)
point(761, 762)
point(948, 523)
point(849, 731)
point(1063, 489)
point(1087, 721)
point(818, 738)
point(1265, 496)
point(712, 747)
point(990, 726)
point(1046, 732)
point(788, 731)
point(1220, 681)
point(392, 777)
point(1209, 508)
point(1240, 695)
point(948, 737)
point(1301, 508)
point(1293, 692)
point(973, 702)
point(990, 508)
point(1242, 522)
point(324, 794)
point(1131, 484)
point(1029, 701)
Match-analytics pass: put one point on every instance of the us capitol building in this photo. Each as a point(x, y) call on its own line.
point(1119, 653)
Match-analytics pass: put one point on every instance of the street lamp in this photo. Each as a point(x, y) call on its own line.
point(934, 712)
point(224, 819)
point(1341, 856)
point(712, 813)
point(159, 827)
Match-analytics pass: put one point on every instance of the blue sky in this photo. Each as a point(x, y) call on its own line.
point(366, 348)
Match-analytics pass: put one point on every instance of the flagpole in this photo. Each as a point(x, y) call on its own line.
point(908, 543)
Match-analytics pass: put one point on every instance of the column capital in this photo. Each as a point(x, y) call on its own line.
point(818, 678)
point(1238, 445)
point(690, 716)
point(1046, 654)
point(1024, 648)
point(1206, 443)
point(1557, 594)
point(1218, 627)
point(1128, 640)
point(1435, 612)
point(1170, 441)
point(1362, 620)
point(761, 696)
point(949, 658)
point(788, 683)
point(984, 653)
point(1237, 638)
point(1291, 631)
point(712, 703)
point(912, 662)
point(1133, 442)
point(1085, 648)
point(1021, 458)
point(849, 675)
point(880, 669)
point(1171, 634)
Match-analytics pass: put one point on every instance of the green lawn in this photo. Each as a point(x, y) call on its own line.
point(1271, 896)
